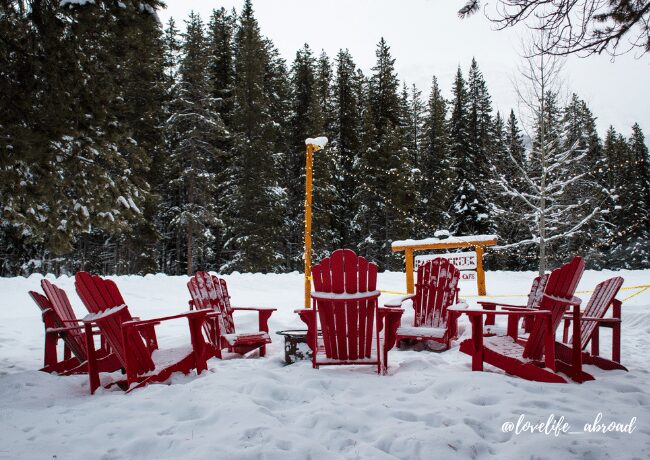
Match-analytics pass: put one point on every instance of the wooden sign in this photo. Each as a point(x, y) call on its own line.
point(468, 276)
point(461, 260)
point(477, 242)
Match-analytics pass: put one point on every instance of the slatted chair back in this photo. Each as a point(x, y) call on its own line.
point(100, 297)
point(561, 285)
point(537, 290)
point(436, 290)
point(209, 292)
point(98, 294)
point(348, 311)
point(64, 316)
point(73, 339)
point(602, 297)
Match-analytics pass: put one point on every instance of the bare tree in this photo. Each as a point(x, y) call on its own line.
point(536, 192)
point(583, 27)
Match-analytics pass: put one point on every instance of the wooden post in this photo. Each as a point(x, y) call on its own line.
point(480, 273)
point(408, 254)
point(308, 192)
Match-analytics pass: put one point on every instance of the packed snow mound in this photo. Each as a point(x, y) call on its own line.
point(431, 405)
point(320, 142)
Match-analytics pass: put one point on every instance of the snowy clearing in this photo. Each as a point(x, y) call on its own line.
point(430, 406)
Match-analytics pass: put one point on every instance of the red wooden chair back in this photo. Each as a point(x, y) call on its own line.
point(98, 294)
point(436, 289)
point(348, 324)
point(537, 290)
point(211, 293)
point(562, 284)
point(64, 316)
point(100, 297)
point(599, 302)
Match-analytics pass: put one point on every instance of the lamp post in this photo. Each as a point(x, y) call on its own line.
point(313, 145)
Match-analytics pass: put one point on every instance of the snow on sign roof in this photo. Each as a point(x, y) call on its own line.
point(76, 2)
point(320, 142)
point(451, 239)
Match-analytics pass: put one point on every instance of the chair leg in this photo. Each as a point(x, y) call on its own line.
point(477, 339)
point(595, 342)
point(616, 332)
point(93, 373)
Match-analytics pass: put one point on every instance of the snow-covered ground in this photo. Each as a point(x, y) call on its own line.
point(430, 406)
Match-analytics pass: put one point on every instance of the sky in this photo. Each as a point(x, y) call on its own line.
point(427, 38)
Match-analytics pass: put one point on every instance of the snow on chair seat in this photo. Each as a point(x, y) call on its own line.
point(436, 290)
point(422, 332)
point(355, 330)
point(506, 346)
point(210, 293)
point(246, 338)
point(535, 358)
point(132, 340)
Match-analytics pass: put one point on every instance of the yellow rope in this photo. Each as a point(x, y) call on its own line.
point(636, 293)
point(641, 288)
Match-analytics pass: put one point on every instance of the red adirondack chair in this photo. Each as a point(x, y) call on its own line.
point(535, 358)
point(210, 293)
point(436, 290)
point(591, 320)
point(136, 350)
point(61, 323)
point(534, 297)
point(345, 305)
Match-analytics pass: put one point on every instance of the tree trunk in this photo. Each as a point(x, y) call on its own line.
point(189, 249)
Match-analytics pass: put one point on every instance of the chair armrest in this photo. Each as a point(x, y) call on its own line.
point(391, 310)
point(499, 304)
point(138, 323)
point(50, 330)
point(263, 309)
point(601, 320)
point(264, 315)
point(398, 301)
point(522, 310)
point(476, 311)
point(573, 301)
point(458, 307)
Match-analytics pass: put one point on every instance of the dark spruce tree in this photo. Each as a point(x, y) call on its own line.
point(346, 140)
point(385, 167)
point(436, 165)
point(196, 137)
point(255, 201)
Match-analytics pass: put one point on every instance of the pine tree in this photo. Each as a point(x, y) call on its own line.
point(255, 197)
point(346, 139)
point(196, 137)
point(386, 169)
point(470, 209)
point(627, 167)
point(326, 204)
point(436, 164)
point(221, 62)
point(579, 133)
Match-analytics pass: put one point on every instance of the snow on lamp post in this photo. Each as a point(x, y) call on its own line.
point(313, 145)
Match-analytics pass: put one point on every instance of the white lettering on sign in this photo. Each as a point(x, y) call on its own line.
point(461, 260)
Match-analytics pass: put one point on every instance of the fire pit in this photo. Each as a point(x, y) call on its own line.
point(295, 345)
